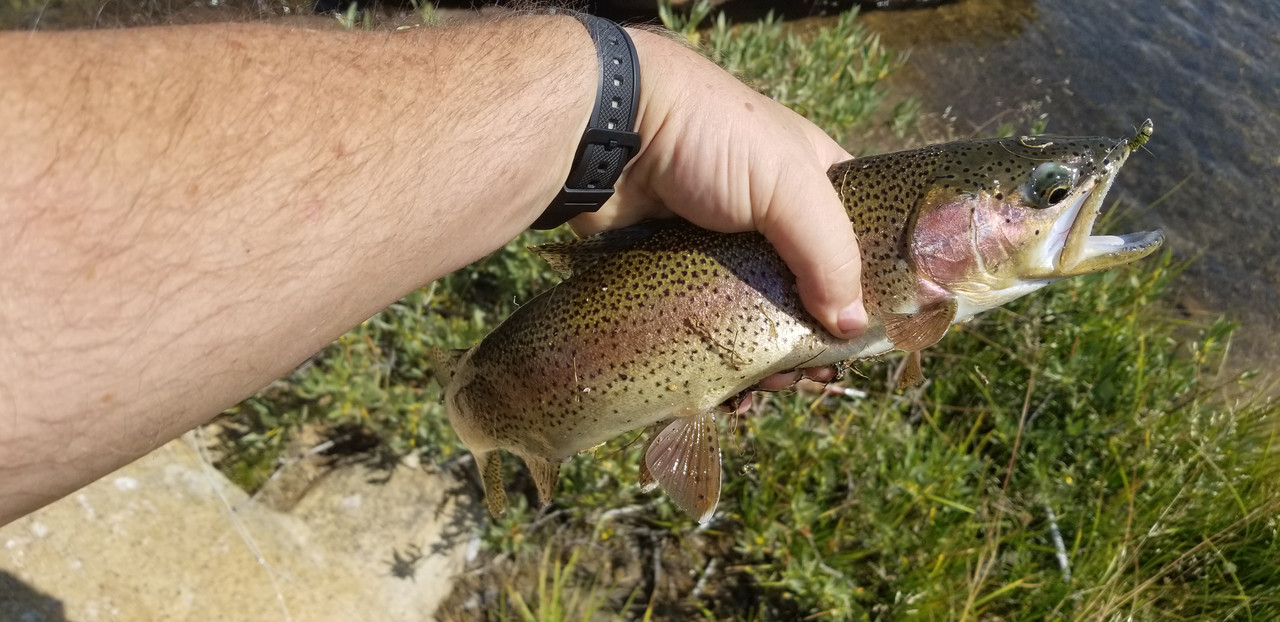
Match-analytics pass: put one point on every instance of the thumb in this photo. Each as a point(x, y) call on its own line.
point(807, 223)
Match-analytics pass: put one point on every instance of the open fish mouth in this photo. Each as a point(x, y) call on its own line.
point(1084, 253)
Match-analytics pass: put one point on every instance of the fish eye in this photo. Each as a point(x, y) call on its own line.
point(1050, 184)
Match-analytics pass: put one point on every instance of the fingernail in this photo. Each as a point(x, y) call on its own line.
point(852, 320)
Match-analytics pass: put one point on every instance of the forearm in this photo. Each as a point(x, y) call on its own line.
point(186, 215)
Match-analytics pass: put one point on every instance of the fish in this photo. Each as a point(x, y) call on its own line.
point(657, 325)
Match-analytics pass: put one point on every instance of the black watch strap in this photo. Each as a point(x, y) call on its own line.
point(610, 140)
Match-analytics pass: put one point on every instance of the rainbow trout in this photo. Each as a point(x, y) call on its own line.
point(657, 325)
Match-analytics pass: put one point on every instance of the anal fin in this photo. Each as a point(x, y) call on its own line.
point(490, 463)
point(545, 473)
point(684, 459)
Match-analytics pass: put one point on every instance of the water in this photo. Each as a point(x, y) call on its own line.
point(1207, 73)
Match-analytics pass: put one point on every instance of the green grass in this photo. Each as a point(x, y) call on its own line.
point(1088, 411)
point(831, 75)
point(377, 377)
point(1164, 495)
point(1161, 475)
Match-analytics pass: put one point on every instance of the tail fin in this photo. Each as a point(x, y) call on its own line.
point(443, 364)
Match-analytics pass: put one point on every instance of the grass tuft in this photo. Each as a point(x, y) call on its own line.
point(830, 74)
point(378, 376)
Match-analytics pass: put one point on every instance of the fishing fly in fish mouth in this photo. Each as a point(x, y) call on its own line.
point(656, 325)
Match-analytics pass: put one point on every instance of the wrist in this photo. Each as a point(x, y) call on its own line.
point(609, 141)
point(669, 77)
point(527, 84)
point(663, 61)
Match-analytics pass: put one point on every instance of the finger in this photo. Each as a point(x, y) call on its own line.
point(778, 381)
point(738, 404)
point(808, 226)
point(805, 385)
point(820, 374)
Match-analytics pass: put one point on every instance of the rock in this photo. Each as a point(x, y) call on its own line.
point(169, 538)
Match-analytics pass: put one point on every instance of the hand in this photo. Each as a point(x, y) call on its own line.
point(730, 159)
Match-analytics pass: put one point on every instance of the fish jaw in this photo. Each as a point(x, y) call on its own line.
point(1084, 253)
point(1103, 252)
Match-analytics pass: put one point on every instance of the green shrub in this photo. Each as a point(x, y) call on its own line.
point(378, 376)
point(1077, 455)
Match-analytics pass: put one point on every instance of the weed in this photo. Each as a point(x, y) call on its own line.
point(378, 376)
point(830, 75)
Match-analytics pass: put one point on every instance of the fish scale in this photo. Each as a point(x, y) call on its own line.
point(879, 195)
point(657, 325)
point(641, 353)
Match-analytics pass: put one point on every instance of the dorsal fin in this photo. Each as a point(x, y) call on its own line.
point(573, 256)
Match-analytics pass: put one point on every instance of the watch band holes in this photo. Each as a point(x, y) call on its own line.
point(602, 155)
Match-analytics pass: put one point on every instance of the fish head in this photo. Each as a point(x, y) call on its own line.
point(1003, 217)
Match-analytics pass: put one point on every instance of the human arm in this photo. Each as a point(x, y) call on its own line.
point(188, 213)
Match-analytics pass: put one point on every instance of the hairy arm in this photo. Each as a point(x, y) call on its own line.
point(188, 213)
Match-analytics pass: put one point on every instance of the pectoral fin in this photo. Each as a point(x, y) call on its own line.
point(545, 473)
point(684, 458)
point(919, 330)
point(490, 463)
